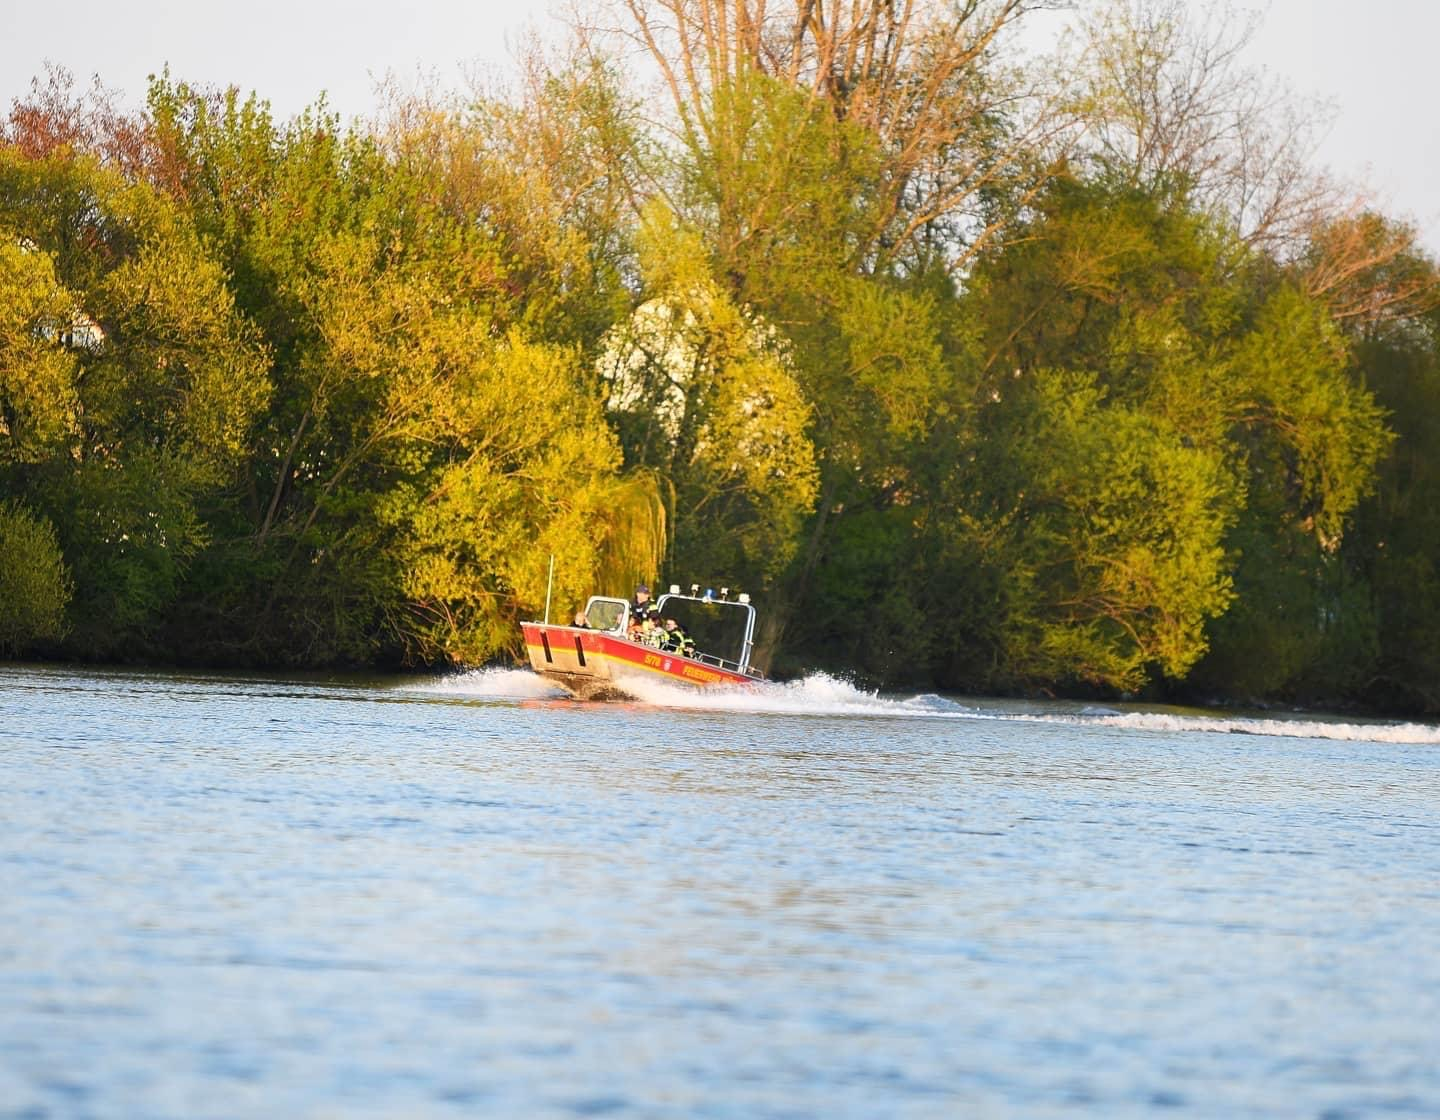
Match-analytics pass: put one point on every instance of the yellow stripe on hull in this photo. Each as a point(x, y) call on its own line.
point(562, 660)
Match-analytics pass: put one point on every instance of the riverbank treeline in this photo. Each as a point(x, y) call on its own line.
point(981, 371)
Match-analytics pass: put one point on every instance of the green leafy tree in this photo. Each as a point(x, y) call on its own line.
point(552, 170)
point(422, 456)
point(1230, 385)
point(1313, 439)
point(148, 378)
point(1389, 561)
point(38, 400)
point(954, 140)
point(35, 585)
point(1113, 548)
point(787, 196)
point(703, 390)
point(835, 164)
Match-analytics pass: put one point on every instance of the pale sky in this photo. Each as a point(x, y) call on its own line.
point(1374, 61)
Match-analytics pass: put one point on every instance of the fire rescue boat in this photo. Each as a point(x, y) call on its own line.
point(601, 661)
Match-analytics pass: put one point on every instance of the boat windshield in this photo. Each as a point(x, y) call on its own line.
point(606, 614)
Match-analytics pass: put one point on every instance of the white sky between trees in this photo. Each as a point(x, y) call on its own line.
point(1372, 62)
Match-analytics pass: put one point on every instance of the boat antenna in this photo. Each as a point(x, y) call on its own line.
point(549, 583)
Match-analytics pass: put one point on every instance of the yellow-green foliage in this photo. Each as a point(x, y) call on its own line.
point(1150, 413)
point(1118, 554)
point(528, 476)
point(37, 371)
point(632, 536)
point(1330, 430)
point(35, 584)
point(180, 348)
point(130, 382)
point(703, 389)
point(301, 393)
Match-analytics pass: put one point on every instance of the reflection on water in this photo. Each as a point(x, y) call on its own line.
point(260, 897)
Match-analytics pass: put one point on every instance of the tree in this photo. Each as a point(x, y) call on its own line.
point(35, 585)
point(1114, 550)
point(147, 383)
point(910, 75)
point(551, 170)
point(1158, 374)
point(1392, 555)
point(704, 392)
point(38, 400)
point(1172, 105)
point(1369, 272)
point(55, 119)
point(423, 455)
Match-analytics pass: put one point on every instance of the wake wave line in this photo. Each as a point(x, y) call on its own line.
point(820, 694)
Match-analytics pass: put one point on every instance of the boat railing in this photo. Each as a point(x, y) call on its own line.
point(732, 666)
point(619, 610)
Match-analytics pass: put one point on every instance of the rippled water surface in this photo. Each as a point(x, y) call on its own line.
point(242, 897)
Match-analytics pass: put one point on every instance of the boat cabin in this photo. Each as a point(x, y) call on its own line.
point(714, 622)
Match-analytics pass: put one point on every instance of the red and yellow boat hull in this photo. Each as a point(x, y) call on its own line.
point(598, 664)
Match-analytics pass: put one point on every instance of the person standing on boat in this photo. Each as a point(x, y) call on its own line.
point(641, 607)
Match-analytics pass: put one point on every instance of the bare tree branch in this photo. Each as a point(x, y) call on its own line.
point(915, 74)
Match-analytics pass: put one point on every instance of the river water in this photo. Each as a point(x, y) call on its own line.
point(244, 897)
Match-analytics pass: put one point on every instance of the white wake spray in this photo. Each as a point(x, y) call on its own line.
point(816, 694)
point(1298, 727)
point(821, 694)
point(494, 684)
